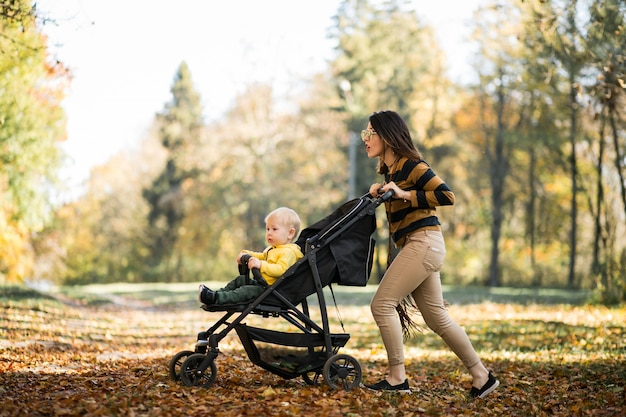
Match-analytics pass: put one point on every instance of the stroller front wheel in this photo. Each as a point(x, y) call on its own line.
point(192, 376)
point(342, 371)
point(176, 363)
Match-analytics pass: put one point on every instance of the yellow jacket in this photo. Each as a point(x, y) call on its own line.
point(275, 260)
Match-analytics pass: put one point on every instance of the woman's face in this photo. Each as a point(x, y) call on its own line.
point(373, 142)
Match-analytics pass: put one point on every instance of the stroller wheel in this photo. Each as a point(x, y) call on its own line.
point(312, 377)
point(176, 363)
point(342, 371)
point(192, 376)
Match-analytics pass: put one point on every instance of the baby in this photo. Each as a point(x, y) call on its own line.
point(281, 228)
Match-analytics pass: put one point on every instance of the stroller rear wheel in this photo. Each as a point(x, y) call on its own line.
point(342, 371)
point(176, 363)
point(192, 376)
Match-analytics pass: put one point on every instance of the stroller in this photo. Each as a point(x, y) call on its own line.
point(337, 249)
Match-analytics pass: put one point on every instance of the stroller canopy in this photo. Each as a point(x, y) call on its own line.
point(339, 247)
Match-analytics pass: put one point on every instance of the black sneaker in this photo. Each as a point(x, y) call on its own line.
point(386, 386)
point(206, 295)
point(489, 387)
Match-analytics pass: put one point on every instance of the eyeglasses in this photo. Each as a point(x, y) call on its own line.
point(367, 134)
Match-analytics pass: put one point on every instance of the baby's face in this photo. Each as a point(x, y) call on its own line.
point(277, 232)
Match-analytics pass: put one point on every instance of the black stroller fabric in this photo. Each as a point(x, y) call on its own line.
point(344, 253)
point(353, 249)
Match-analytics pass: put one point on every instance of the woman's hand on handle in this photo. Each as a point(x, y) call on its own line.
point(377, 190)
point(374, 190)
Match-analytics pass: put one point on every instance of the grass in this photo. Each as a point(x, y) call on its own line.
point(184, 294)
point(105, 349)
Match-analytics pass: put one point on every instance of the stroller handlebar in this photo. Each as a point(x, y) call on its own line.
point(378, 200)
point(383, 197)
point(387, 196)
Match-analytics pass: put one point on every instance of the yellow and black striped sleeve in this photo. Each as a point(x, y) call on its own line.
point(428, 188)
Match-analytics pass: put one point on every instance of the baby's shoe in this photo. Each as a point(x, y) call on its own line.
point(206, 295)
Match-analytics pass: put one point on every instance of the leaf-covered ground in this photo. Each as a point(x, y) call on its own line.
point(106, 356)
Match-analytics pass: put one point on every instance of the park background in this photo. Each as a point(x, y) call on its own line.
point(530, 137)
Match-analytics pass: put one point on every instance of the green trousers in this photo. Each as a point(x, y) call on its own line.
point(238, 291)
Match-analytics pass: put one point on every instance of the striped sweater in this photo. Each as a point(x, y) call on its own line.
point(427, 192)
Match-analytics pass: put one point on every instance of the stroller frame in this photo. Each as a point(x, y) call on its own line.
point(197, 368)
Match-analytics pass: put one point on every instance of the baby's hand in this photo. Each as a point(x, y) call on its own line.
point(239, 257)
point(254, 263)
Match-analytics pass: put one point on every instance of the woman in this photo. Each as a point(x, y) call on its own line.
point(415, 228)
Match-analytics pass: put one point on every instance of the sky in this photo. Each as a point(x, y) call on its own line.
point(124, 54)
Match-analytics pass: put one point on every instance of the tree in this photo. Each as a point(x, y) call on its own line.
point(586, 42)
point(257, 159)
point(387, 59)
point(180, 127)
point(562, 39)
point(32, 122)
point(101, 236)
point(536, 152)
point(606, 39)
point(497, 117)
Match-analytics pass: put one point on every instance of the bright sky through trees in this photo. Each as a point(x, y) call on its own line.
point(124, 55)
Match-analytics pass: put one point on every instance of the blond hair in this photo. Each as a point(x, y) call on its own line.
point(286, 216)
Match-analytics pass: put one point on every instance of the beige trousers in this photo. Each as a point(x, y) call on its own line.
point(415, 271)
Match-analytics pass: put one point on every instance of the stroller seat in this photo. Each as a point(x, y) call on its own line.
point(269, 303)
point(262, 309)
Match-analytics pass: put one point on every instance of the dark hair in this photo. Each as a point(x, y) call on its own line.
point(394, 133)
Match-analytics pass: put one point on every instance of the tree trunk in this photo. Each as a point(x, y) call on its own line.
point(498, 172)
point(571, 277)
point(530, 219)
point(619, 158)
point(595, 261)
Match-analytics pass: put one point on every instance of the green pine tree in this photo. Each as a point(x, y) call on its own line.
point(180, 128)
